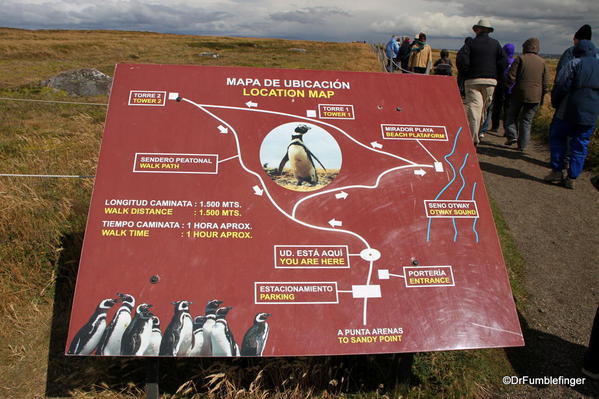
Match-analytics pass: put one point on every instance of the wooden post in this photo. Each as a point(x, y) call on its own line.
point(152, 377)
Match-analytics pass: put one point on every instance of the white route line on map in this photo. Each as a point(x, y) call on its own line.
point(310, 120)
point(235, 135)
point(228, 159)
point(397, 275)
point(292, 216)
point(496, 329)
point(375, 185)
point(426, 149)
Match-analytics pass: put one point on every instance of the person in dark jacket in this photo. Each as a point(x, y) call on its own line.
point(480, 61)
point(443, 65)
point(575, 96)
point(404, 53)
point(530, 80)
point(583, 33)
point(501, 96)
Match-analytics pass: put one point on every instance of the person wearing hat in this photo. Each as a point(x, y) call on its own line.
point(575, 96)
point(583, 33)
point(480, 61)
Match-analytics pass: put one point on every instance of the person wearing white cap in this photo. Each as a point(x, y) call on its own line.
point(481, 60)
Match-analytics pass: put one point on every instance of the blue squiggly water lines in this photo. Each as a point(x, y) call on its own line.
point(475, 219)
point(455, 228)
point(446, 157)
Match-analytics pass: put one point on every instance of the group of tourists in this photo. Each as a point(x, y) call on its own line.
point(409, 56)
point(498, 86)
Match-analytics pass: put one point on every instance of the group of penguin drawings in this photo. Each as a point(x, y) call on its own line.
point(140, 334)
point(300, 158)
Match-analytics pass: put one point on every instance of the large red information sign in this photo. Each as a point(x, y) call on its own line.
point(263, 212)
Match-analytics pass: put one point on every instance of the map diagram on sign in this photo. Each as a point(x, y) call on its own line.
point(272, 212)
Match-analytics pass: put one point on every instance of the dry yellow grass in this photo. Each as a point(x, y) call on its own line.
point(29, 56)
point(42, 223)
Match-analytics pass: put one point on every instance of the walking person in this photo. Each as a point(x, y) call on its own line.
point(583, 33)
point(480, 61)
point(391, 50)
point(501, 96)
point(575, 96)
point(421, 57)
point(404, 54)
point(443, 65)
point(530, 79)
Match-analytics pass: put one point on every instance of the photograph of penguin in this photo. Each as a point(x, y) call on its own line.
point(255, 338)
point(198, 336)
point(153, 348)
point(210, 314)
point(300, 158)
point(223, 343)
point(88, 336)
point(110, 344)
point(177, 337)
point(136, 337)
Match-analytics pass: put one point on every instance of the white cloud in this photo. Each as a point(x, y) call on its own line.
point(446, 23)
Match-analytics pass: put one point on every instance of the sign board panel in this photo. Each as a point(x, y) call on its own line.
point(271, 212)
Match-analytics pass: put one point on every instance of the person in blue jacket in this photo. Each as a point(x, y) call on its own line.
point(575, 96)
point(391, 51)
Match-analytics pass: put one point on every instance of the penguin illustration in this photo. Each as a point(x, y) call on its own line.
point(88, 336)
point(110, 344)
point(210, 311)
point(255, 338)
point(153, 348)
point(300, 158)
point(178, 335)
point(136, 337)
point(223, 343)
point(198, 336)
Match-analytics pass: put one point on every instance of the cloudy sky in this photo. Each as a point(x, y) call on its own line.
point(446, 22)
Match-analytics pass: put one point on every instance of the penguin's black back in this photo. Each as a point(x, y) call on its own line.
point(252, 345)
point(87, 331)
point(132, 336)
point(171, 336)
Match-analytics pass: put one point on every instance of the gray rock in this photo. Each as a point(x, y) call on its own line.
point(81, 82)
point(298, 50)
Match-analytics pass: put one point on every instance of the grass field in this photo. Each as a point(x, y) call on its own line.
point(42, 224)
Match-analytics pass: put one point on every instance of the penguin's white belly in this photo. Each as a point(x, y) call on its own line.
point(207, 333)
point(153, 348)
point(113, 346)
point(198, 342)
point(145, 338)
point(263, 340)
point(94, 340)
point(300, 162)
point(220, 344)
point(185, 337)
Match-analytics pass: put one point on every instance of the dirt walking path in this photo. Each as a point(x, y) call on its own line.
point(557, 232)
